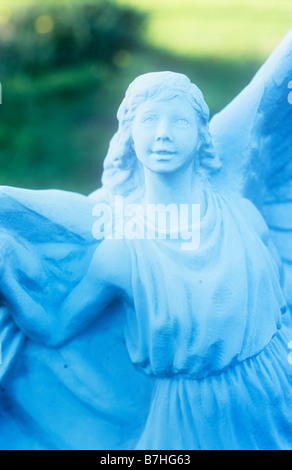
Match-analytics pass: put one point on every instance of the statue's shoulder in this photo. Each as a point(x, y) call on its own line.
point(112, 261)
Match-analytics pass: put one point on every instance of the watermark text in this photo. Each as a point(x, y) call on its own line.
point(148, 221)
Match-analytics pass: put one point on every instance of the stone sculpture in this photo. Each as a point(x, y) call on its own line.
point(124, 330)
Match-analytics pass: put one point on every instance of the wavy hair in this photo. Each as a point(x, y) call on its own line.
point(123, 174)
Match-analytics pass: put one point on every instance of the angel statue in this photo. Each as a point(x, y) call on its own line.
point(123, 328)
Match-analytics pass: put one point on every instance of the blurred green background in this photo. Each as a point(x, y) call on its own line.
point(65, 66)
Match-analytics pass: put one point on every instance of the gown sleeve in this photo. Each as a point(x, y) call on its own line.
point(58, 253)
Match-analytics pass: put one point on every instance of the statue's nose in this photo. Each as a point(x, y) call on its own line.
point(163, 131)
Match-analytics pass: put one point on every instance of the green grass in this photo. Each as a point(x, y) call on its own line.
point(216, 28)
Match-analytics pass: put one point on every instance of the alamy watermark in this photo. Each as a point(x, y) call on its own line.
point(148, 222)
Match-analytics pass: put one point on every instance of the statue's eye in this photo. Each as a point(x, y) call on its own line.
point(182, 122)
point(148, 120)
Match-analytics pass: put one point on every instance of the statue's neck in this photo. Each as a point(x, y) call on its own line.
point(172, 188)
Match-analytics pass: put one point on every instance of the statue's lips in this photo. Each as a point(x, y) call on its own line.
point(163, 153)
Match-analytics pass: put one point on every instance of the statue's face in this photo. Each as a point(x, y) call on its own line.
point(165, 134)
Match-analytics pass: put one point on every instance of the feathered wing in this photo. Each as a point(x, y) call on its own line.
point(87, 394)
point(253, 137)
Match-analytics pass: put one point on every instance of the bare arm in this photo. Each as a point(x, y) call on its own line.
point(100, 285)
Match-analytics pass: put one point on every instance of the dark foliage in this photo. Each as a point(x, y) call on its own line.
point(40, 38)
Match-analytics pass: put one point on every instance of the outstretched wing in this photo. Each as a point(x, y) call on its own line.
point(253, 137)
point(87, 394)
